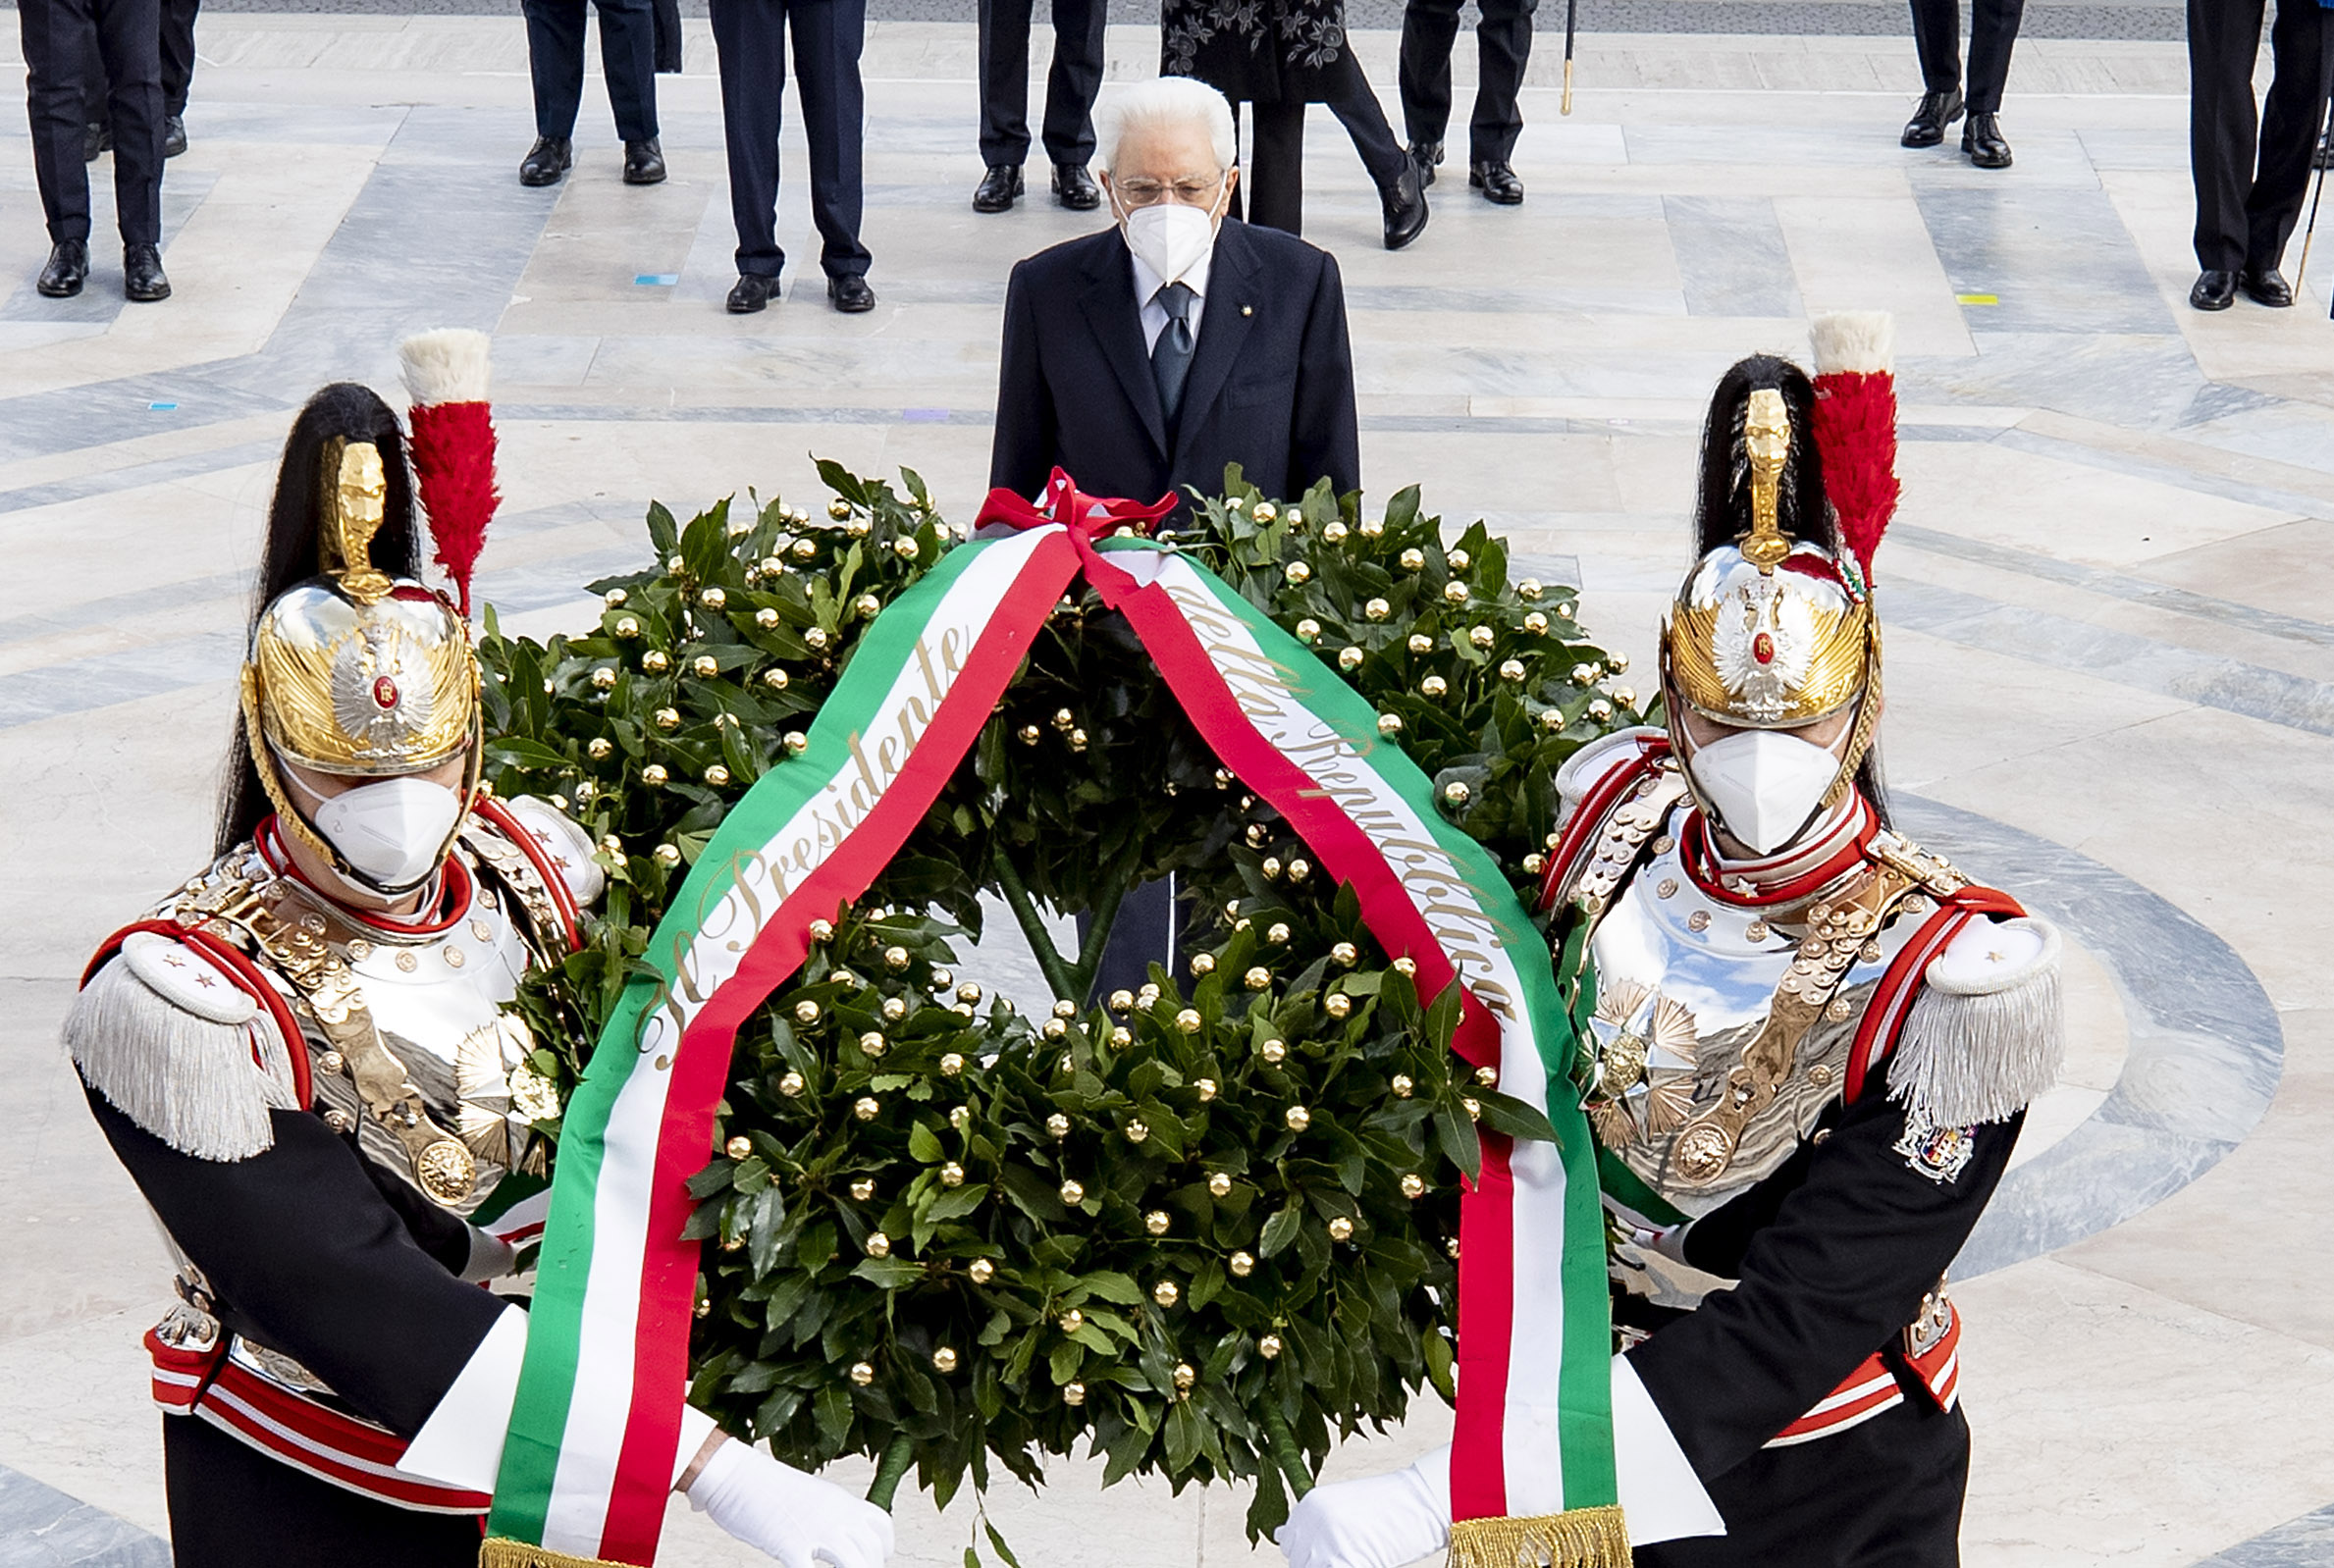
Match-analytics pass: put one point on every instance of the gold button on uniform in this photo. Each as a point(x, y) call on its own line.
point(407, 961)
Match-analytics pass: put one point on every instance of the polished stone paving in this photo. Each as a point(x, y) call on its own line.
point(2109, 676)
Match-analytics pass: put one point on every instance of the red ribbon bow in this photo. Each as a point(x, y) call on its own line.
point(1089, 517)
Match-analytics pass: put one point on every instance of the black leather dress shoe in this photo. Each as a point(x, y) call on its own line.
point(850, 294)
point(644, 163)
point(95, 139)
point(2215, 290)
point(751, 293)
point(174, 136)
point(1428, 156)
point(1405, 204)
point(999, 189)
point(1982, 140)
point(2265, 286)
point(1075, 189)
point(545, 161)
point(1496, 182)
point(143, 279)
point(1935, 112)
point(67, 271)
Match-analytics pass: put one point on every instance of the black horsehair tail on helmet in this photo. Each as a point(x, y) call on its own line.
point(1723, 499)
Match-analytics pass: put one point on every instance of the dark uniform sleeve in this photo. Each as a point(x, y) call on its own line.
point(1023, 446)
point(1826, 1274)
point(298, 1242)
point(1324, 434)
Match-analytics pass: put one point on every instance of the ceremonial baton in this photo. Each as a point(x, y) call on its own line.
point(1571, 26)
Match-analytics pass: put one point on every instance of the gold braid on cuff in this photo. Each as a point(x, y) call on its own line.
point(1578, 1537)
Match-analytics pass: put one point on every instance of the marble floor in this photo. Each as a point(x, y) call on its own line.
point(2109, 674)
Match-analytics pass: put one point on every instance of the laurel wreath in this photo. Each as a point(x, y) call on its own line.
point(1202, 1234)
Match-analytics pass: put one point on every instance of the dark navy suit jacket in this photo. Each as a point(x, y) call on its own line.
point(1270, 387)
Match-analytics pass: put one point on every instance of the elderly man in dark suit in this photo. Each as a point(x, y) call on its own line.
point(1147, 357)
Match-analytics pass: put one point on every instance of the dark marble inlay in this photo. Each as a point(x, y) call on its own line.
point(2205, 1055)
point(41, 1527)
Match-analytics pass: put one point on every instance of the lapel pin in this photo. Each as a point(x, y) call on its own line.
point(1248, 310)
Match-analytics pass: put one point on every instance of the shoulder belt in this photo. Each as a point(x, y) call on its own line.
point(240, 969)
point(511, 852)
point(1957, 903)
point(1613, 819)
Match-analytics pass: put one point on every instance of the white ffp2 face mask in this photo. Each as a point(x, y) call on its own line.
point(393, 830)
point(1170, 237)
point(1763, 784)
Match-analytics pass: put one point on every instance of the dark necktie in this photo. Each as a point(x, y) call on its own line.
point(1171, 356)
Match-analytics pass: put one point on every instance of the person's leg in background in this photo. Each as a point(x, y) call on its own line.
point(750, 53)
point(2290, 123)
point(2223, 36)
point(130, 38)
point(1937, 39)
point(1402, 196)
point(1503, 51)
point(1275, 181)
point(1071, 85)
point(628, 60)
point(1429, 28)
point(555, 65)
point(1004, 35)
point(59, 39)
point(1992, 35)
point(178, 71)
point(828, 35)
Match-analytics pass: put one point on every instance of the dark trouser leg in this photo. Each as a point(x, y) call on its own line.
point(1502, 48)
point(628, 58)
point(555, 62)
point(750, 52)
point(1005, 81)
point(1428, 29)
point(1937, 39)
point(1074, 79)
point(1993, 32)
point(130, 38)
point(1147, 929)
point(827, 36)
point(178, 54)
point(2299, 42)
point(1355, 104)
point(1882, 1495)
point(232, 1506)
point(2223, 36)
point(56, 36)
point(1276, 171)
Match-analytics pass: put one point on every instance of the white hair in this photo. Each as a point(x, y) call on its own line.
point(1166, 101)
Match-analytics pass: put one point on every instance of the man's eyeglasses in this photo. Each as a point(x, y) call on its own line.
point(1191, 191)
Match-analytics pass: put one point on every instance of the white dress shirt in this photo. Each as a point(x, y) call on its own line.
point(1147, 285)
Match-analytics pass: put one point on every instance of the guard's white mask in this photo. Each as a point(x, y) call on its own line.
point(393, 830)
point(1764, 785)
point(1169, 236)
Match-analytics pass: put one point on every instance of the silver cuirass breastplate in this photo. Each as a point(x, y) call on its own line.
point(1722, 1028)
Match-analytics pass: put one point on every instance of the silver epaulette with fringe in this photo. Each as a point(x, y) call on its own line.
point(1988, 1032)
point(178, 1061)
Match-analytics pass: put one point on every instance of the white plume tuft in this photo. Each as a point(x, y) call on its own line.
point(1854, 340)
point(445, 366)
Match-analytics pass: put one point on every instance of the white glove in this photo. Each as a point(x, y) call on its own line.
point(1376, 1522)
point(793, 1517)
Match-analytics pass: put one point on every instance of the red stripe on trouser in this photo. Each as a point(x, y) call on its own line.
point(342, 1449)
point(668, 1277)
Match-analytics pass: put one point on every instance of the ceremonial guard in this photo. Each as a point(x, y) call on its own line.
point(303, 1060)
point(1813, 1041)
